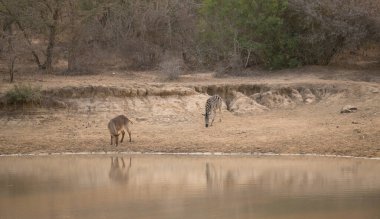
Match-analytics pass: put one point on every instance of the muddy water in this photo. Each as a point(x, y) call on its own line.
point(157, 186)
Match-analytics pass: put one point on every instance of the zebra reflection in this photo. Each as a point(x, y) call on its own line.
point(217, 179)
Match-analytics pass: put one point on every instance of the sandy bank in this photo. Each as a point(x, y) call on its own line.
point(287, 114)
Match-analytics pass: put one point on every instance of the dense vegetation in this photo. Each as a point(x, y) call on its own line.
point(146, 34)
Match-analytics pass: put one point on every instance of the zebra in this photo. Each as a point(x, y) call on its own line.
point(212, 104)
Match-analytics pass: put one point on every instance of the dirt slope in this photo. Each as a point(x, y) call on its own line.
point(287, 112)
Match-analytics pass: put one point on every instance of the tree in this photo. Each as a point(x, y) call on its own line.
point(9, 37)
point(325, 27)
point(12, 44)
point(138, 32)
point(39, 19)
point(250, 29)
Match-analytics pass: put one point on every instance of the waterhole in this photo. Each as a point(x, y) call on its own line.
point(176, 186)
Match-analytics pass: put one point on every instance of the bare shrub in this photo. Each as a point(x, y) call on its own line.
point(172, 67)
point(326, 27)
point(138, 33)
point(233, 66)
point(139, 54)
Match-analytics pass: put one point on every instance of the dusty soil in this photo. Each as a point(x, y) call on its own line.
point(293, 111)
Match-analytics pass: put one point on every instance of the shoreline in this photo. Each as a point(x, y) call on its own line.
point(213, 154)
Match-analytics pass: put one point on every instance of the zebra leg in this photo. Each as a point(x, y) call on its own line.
point(213, 118)
point(220, 112)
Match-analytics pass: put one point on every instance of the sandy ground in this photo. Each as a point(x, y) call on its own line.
point(175, 124)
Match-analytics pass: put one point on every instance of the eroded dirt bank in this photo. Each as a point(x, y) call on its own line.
point(280, 115)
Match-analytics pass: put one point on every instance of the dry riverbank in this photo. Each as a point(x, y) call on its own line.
point(287, 112)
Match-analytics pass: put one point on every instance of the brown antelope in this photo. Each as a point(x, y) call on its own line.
point(118, 125)
point(117, 173)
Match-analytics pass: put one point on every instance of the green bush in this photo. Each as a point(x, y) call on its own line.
point(24, 95)
point(253, 29)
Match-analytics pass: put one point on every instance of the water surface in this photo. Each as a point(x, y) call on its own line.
point(168, 186)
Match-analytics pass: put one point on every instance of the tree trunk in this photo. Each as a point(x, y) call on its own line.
point(72, 64)
point(34, 53)
point(11, 53)
point(247, 60)
point(11, 68)
point(52, 36)
point(72, 59)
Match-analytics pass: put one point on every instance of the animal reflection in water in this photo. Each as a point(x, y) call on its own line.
point(217, 180)
point(119, 173)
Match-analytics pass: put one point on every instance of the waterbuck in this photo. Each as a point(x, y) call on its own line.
point(118, 125)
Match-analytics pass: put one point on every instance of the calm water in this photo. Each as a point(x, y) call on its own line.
point(157, 186)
